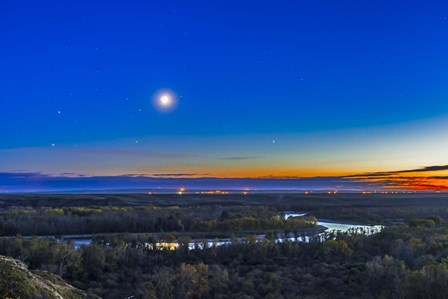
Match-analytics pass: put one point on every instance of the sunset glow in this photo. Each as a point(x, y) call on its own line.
point(329, 104)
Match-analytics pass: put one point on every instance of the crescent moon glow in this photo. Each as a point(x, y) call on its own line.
point(165, 101)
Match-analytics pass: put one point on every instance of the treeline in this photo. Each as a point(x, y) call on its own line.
point(101, 220)
point(406, 261)
point(255, 224)
point(382, 214)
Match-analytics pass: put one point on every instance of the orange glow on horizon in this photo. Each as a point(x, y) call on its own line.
point(389, 179)
point(412, 183)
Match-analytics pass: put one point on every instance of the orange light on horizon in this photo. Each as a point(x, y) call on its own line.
point(220, 192)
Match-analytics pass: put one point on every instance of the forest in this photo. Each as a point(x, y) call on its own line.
point(146, 219)
point(407, 259)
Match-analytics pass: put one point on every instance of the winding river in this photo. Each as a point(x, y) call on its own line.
point(328, 224)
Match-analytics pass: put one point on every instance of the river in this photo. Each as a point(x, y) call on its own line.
point(328, 224)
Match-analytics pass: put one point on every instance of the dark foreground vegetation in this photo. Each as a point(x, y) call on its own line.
point(17, 281)
point(146, 219)
point(408, 259)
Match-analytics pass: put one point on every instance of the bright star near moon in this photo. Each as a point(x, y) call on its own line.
point(165, 101)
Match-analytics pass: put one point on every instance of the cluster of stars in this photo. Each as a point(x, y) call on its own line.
point(163, 101)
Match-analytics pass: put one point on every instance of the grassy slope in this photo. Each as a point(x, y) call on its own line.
point(16, 281)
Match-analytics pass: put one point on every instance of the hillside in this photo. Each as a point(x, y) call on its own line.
point(16, 281)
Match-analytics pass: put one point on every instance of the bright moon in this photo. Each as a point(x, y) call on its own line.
point(165, 101)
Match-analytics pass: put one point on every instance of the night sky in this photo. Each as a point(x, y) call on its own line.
point(347, 94)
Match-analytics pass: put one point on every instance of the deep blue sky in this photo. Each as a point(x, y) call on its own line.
point(82, 73)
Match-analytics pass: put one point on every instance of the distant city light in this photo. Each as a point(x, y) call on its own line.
point(220, 192)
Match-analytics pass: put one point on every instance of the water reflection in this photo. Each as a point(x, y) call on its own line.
point(330, 226)
point(77, 243)
point(333, 226)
